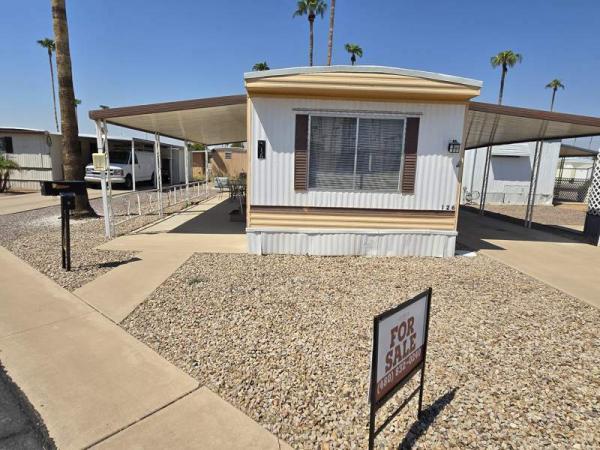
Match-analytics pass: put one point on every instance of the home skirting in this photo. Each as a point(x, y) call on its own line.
point(351, 242)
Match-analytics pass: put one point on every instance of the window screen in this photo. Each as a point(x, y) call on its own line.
point(348, 153)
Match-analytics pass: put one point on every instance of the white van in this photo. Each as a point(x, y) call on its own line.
point(121, 171)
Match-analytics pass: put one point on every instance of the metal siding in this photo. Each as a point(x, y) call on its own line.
point(272, 177)
point(358, 243)
point(513, 190)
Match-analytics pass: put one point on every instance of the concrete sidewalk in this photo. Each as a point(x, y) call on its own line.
point(163, 247)
point(570, 266)
point(91, 381)
point(11, 204)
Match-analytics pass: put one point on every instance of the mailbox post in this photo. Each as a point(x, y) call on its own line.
point(67, 191)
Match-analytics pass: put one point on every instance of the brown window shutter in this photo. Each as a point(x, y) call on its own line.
point(411, 143)
point(301, 153)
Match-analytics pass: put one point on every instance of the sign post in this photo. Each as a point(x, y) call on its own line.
point(399, 352)
point(67, 191)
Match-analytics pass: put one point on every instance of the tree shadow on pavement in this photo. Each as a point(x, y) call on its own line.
point(419, 427)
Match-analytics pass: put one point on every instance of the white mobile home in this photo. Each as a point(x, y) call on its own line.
point(510, 173)
point(361, 160)
point(355, 162)
point(39, 154)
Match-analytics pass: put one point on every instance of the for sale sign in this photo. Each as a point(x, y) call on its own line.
point(399, 351)
point(400, 339)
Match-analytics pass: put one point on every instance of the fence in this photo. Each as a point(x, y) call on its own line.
point(137, 208)
point(572, 189)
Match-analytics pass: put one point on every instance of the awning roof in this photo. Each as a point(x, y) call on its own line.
point(572, 151)
point(489, 124)
point(216, 120)
point(220, 120)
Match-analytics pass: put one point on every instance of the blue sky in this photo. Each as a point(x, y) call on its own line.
point(143, 51)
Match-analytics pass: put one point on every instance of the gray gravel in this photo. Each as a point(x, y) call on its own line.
point(544, 214)
point(512, 363)
point(35, 237)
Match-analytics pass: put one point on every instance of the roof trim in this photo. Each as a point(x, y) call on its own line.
point(137, 110)
point(534, 114)
point(363, 69)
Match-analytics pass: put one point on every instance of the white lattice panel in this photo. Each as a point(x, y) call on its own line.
point(594, 192)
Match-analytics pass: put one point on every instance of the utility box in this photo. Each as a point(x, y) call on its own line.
point(99, 161)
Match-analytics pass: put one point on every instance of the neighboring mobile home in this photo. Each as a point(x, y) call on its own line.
point(510, 173)
point(228, 161)
point(39, 154)
point(355, 162)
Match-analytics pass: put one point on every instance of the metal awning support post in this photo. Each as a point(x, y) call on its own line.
point(102, 145)
point(486, 169)
point(591, 228)
point(158, 172)
point(133, 163)
point(206, 169)
point(186, 168)
point(533, 182)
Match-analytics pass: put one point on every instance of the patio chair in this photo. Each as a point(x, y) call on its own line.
point(222, 184)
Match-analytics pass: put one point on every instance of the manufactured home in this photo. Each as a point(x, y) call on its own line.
point(228, 161)
point(351, 160)
point(510, 170)
point(39, 155)
point(355, 162)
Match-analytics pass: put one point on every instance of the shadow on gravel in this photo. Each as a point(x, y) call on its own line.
point(419, 427)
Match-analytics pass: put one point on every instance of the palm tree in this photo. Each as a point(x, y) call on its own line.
point(310, 8)
point(554, 85)
point(260, 66)
point(505, 59)
point(49, 45)
point(72, 162)
point(330, 39)
point(6, 165)
point(354, 50)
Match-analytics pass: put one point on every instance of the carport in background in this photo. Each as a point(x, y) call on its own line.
point(488, 125)
point(208, 121)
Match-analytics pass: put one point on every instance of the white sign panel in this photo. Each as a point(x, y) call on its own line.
point(400, 339)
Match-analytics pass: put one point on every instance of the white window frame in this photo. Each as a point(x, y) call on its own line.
point(358, 116)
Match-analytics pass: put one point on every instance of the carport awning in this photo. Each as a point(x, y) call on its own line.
point(489, 124)
point(572, 151)
point(210, 121)
point(220, 120)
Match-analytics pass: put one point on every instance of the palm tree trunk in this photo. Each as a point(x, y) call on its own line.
point(552, 103)
point(53, 89)
point(353, 59)
point(502, 85)
point(72, 162)
point(311, 22)
point(330, 40)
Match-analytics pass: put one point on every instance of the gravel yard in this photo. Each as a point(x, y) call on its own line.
point(544, 214)
point(512, 363)
point(35, 237)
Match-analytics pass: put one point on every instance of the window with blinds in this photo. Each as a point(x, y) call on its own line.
point(350, 153)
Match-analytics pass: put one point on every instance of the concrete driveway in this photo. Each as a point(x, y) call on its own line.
point(570, 266)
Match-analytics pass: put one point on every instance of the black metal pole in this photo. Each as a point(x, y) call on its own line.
point(63, 210)
point(68, 236)
point(373, 381)
point(421, 387)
